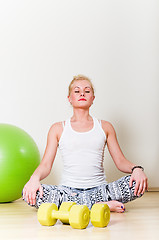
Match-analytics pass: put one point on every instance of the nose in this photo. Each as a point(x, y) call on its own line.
point(82, 93)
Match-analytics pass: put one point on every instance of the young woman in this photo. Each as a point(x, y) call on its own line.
point(82, 140)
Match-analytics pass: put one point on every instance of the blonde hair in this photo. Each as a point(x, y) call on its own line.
point(77, 78)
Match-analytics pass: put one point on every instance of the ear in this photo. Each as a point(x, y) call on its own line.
point(69, 99)
point(93, 99)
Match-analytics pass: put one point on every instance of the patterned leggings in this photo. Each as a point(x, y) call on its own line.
point(118, 190)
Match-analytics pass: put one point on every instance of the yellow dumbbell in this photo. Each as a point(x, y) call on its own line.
point(100, 215)
point(76, 215)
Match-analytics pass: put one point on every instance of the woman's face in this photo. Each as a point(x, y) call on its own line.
point(81, 95)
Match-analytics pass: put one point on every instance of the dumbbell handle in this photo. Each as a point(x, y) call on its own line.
point(63, 215)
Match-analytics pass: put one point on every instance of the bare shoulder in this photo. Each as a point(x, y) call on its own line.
point(107, 127)
point(56, 130)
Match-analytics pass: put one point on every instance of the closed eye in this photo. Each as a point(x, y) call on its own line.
point(85, 91)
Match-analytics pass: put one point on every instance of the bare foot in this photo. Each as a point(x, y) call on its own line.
point(115, 206)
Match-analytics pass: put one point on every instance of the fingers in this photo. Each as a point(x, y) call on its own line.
point(131, 181)
point(136, 185)
point(146, 184)
point(30, 196)
point(24, 193)
point(33, 199)
point(144, 188)
point(141, 182)
point(136, 188)
point(41, 191)
point(140, 188)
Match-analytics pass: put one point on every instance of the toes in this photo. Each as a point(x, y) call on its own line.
point(122, 208)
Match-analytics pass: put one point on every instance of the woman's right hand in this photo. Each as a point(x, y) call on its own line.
point(33, 185)
point(30, 189)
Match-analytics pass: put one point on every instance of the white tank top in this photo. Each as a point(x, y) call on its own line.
point(83, 156)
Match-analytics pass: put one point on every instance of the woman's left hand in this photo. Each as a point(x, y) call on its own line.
point(141, 181)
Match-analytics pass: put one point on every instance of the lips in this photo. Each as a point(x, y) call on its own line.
point(82, 99)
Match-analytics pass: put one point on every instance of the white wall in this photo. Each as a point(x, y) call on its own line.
point(43, 44)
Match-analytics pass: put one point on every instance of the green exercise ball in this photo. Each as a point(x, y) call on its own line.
point(19, 157)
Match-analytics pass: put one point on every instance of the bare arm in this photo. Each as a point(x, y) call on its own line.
point(121, 162)
point(43, 170)
point(45, 166)
point(114, 149)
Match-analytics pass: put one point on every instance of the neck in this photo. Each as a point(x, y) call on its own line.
point(80, 115)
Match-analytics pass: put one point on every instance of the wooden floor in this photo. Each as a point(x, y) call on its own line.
point(140, 221)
